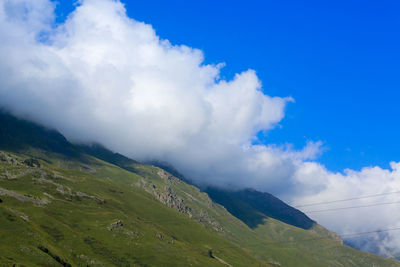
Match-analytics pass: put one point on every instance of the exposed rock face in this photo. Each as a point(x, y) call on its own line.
point(169, 198)
point(23, 198)
point(32, 167)
point(10, 174)
point(206, 218)
point(3, 157)
point(17, 161)
point(65, 190)
point(32, 163)
point(167, 177)
point(115, 225)
point(172, 196)
point(10, 159)
point(166, 196)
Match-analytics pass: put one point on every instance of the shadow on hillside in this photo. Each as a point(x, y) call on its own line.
point(253, 207)
point(19, 135)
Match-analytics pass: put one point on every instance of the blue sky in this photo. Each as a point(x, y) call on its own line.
point(338, 60)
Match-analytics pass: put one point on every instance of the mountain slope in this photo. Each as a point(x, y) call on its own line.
point(17, 134)
point(271, 240)
point(62, 204)
point(252, 207)
point(93, 214)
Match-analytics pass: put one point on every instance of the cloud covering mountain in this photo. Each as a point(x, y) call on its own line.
point(103, 77)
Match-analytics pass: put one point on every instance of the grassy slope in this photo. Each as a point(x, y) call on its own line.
point(73, 227)
point(272, 241)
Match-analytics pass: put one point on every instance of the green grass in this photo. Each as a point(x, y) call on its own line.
point(86, 197)
point(272, 241)
point(90, 188)
point(74, 229)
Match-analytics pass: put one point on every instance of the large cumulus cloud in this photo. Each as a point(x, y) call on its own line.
point(104, 77)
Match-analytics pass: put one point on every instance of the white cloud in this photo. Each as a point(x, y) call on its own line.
point(103, 77)
point(315, 184)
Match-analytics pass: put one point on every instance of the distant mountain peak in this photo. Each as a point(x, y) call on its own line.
point(252, 207)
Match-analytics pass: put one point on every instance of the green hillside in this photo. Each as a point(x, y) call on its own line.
point(95, 214)
point(67, 205)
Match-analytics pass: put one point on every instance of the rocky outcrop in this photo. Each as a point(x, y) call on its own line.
point(34, 163)
point(115, 225)
point(166, 196)
point(184, 203)
point(160, 236)
point(98, 199)
point(169, 198)
point(205, 218)
point(16, 167)
point(65, 190)
point(167, 177)
point(18, 161)
point(10, 174)
point(88, 168)
point(10, 159)
point(22, 215)
point(24, 198)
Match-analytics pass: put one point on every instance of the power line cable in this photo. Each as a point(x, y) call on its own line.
point(370, 232)
point(353, 207)
point(347, 199)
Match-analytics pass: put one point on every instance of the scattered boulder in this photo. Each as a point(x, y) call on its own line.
point(160, 236)
point(81, 194)
point(20, 214)
point(98, 199)
point(32, 163)
point(10, 159)
point(88, 168)
point(133, 234)
point(115, 191)
point(115, 225)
